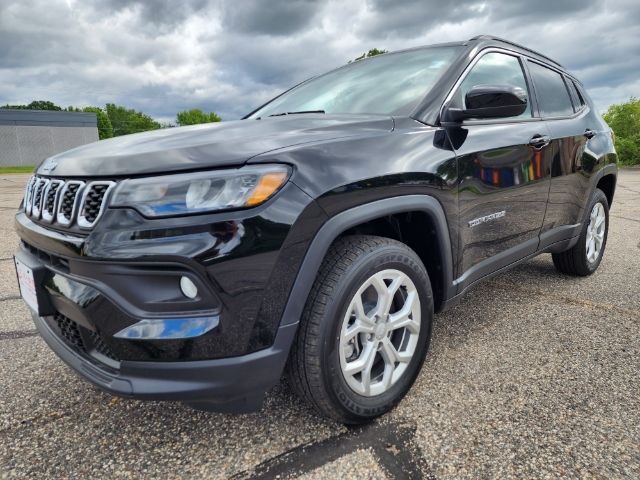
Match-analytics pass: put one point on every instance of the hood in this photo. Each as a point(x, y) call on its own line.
point(209, 145)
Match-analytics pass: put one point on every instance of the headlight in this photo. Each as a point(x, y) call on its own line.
point(201, 191)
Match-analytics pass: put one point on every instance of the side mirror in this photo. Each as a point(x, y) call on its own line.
point(489, 101)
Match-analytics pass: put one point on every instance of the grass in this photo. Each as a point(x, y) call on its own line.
point(16, 170)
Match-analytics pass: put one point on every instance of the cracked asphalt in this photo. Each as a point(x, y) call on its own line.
point(533, 375)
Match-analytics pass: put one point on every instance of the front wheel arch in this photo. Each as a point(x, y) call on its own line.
point(351, 218)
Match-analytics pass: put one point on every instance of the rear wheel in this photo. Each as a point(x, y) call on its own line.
point(364, 331)
point(584, 257)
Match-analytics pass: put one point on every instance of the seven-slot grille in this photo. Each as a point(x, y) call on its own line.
point(66, 201)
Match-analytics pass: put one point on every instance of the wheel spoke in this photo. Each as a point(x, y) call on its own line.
point(403, 317)
point(356, 329)
point(387, 375)
point(360, 364)
point(358, 309)
point(386, 293)
point(361, 324)
point(598, 237)
point(366, 371)
point(590, 248)
point(391, 355)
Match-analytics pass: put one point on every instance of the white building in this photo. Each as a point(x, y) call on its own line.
point(29, 136)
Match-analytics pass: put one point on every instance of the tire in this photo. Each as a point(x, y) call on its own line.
point(319, 369)
point(577, 261)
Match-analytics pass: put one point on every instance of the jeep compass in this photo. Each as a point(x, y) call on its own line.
point(317, 236)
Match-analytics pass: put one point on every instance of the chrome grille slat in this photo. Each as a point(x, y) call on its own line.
point(28, 195)
point(38, 197)
point(93, 202)
point(68, 203)
point(50, 200)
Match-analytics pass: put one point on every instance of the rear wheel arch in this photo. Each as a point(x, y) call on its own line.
point(607, 183)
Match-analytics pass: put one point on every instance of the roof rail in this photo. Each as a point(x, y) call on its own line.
point(498, 39)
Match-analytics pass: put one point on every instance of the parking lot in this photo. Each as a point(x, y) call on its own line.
point(534, 374)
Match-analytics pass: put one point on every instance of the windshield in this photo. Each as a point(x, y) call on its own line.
point(391, 84)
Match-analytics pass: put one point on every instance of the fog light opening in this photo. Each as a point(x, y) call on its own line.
point(188, 288)
point(168, 328)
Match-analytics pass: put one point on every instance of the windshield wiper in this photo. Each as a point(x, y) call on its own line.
point(295, 113)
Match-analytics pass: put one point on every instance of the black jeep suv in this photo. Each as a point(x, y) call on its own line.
point(319, 234)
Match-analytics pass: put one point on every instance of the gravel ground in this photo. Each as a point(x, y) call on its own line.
point(533, 375)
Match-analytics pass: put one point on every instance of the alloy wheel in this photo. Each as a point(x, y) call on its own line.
point(379, 332)
point(595, 232)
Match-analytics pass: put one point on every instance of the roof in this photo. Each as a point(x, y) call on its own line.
point(498, 40)
point(47, 118)
point(488, 40)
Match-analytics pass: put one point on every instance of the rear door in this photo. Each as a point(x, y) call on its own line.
point(503, 168)
point(571, 125)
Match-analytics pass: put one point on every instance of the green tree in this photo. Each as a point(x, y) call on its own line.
point(196, 116)
point(624, 120)
point(105, 129)
point(371, 53)
point(35, 105)
point(125, 121)
point(43, 105)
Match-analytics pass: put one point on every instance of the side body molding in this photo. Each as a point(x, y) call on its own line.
point(353, 217)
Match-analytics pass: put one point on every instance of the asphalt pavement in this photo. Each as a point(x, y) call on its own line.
point(533, 375)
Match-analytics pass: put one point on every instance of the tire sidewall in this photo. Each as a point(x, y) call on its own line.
point(387, 257)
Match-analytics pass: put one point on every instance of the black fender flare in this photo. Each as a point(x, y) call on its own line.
point(352, 217)
point(607, 169)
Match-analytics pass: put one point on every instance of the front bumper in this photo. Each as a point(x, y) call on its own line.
point(234, 384)
point(127, 269)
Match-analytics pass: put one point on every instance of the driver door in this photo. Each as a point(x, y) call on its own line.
point(503, 175)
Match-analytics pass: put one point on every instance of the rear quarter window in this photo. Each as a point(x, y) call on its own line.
point(551, 91)
point(581, 102)
point(576, 96)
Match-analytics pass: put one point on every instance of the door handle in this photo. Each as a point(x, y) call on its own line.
point(539, 141)
point(590, 133)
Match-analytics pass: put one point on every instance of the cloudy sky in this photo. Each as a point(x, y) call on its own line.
point(163, 56)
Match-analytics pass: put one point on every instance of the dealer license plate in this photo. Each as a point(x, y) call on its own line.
point(27, 285)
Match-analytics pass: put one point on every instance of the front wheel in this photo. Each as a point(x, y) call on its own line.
point(584, 257)
point(365, 329)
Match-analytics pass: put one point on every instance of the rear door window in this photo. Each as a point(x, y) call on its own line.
point(551, 92)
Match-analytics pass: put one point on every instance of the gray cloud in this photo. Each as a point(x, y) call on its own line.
point(274, 17)
point(230, 56)
point(415, 17)
point(159, 15)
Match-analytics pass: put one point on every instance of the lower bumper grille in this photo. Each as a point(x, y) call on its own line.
point(69, 331)
point(102, 347)
point(82, 340)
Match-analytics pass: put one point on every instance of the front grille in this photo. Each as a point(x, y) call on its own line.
point(65, 202)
